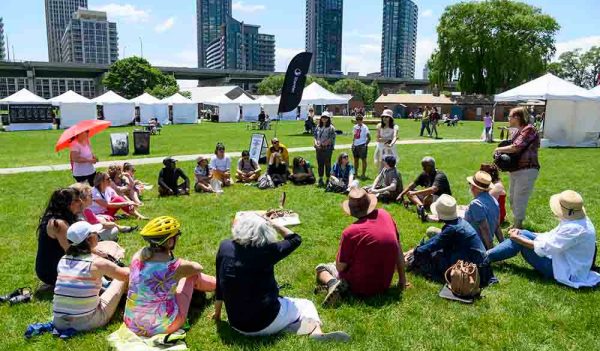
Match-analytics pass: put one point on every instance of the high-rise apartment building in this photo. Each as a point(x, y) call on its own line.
point(58, 15)
point(324, 35)
point(2, 43)
point(399, 38)
point(90, 38)
point(211, 15)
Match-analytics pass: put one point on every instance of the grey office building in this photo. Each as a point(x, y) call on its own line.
point(211, 15)
point(90, 38)
point(241, 47)
point(324, 35)
point(2, 43)
point(399, 38)
point(58, 15)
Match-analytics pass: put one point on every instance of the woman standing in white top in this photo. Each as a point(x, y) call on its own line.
point(82, 159)
point(387, 136)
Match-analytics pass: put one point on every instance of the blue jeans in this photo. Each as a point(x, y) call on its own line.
point(425, 124)
point(509, 248)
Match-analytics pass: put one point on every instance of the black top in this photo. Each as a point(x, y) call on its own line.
point(48, 254)
point(437, 179)
point(262, 116)
point(280, 169)
point(246, 281)
point(170, 177)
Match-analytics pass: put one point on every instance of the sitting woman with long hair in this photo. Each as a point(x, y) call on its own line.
point(302, 172)
point(77, 300)
point(342, 175)
point(160, 285)
point(107, 202)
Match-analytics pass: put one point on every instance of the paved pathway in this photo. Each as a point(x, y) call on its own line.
point(158, 160)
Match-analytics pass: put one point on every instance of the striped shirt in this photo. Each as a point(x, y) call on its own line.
point(76, 290)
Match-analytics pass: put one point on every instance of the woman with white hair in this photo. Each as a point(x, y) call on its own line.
point(246, 283)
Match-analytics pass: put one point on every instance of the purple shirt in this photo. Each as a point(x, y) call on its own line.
point(488, 121)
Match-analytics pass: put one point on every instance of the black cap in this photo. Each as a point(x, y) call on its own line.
point(169, 160)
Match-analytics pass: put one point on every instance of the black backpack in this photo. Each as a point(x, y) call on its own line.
point(506, 162)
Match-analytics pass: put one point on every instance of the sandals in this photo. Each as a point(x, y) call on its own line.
point(20, 295)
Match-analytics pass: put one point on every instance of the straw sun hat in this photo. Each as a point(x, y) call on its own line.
point(567, 205)
point(482, 180)
point(445, 208)
point(359, 203)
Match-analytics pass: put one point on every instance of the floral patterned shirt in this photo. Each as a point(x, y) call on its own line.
point(151, 305)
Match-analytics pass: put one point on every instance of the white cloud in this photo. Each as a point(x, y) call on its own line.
point(166, 25)
point(283, 56)
point(126, 12)
point(425, 47)
point(243, 7)
point(427, 13)
point(365, 58)
point(584, 43)
point(185, 58)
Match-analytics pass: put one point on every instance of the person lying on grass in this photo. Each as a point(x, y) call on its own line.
point(160, 285)
point(566, 253)
point(169, 179)
point(434, 182)
point(456, 241)
point(248, 170)
point(202, 174)
point(302, 173)
point(246, 283)
point(369, 254)
point(220, 166)
point(78, 303)
point(106, 201)
point(388, 182)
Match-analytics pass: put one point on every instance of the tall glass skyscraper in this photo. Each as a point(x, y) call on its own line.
point(211, 15)
point(324, 34)
point(2, 44)
point(58, 16)
point(399, 38)
point(90, 38)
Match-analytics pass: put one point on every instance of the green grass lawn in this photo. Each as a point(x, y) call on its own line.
point(522, 312)
point(32, 148)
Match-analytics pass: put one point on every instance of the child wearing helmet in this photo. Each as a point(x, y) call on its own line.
point(161, 285)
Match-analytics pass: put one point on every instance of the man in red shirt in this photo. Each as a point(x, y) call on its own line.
point(369, 254)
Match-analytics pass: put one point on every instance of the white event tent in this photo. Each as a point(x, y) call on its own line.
point(185, 111)
point(596, 90)
point(229, 110)
point(269, 105)
point(118, 110)
point(25, 97)
point(314, 94)
point(151, 107)
point(74, 108)
point(291, 115)
point(572, 113)
point(250, 108)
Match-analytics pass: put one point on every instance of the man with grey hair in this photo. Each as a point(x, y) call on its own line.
point(434, 183)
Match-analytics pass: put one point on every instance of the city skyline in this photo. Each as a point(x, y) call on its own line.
point(169, 39)
point(399, 38)
point(58, 15)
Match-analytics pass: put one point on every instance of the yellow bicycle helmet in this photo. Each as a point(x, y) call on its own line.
point(161, 229)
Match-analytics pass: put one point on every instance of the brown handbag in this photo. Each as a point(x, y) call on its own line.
point(463, 279)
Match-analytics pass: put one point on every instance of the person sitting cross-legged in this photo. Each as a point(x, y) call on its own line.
point(370, 252)
point(434, 182)
point(277, 146)
point(483, 212)
point(566, 253)
point(456, 241)
point(220, 166)
point(302, 172)
point(246, 283)
point(388, 182)
point(168, 179)
point(202, 175)
point(342, 175)
point(278, 169)
point(248, 170)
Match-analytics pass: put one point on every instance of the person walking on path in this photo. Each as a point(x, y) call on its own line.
point(425, 121)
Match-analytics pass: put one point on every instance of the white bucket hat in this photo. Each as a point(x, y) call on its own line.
point(445, 208)
point(389, 113)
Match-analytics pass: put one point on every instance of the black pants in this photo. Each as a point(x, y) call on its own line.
point(88, 178)
point(324, 161)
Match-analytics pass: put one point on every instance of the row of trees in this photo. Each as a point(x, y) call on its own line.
point(272, 85)
point(581, 68)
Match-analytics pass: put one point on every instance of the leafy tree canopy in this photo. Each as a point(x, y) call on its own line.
point(492, 45)
point(581, 68)
point(272, 85)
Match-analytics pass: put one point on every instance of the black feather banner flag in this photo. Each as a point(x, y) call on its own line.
point(293, 85)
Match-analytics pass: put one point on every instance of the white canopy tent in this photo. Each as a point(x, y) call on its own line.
point(118, 110)
point(291, 115)
point(74, 108)
point(25, 97)
point(201, 95)
point(229, 110)
point(314, 94)
point(250, 108)
point(185, 111)
point(572, 113)
point(151, 107)
point(596, 90)
point(269, 105)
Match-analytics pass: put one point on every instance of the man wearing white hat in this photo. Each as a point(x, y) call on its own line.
point(483, 212)
point(457, 241)
point(566, 253)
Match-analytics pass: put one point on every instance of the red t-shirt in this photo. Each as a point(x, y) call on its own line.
point(369, 247)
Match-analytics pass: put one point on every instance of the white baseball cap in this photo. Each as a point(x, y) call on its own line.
point(79, 231)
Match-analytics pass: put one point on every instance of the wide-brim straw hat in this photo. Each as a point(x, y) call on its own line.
point(445, 208)
point(567, 205)
point(359, 203)
point(482, 180)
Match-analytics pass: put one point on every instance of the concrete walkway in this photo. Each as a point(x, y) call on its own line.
point(158, 160)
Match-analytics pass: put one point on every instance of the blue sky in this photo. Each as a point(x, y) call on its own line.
point(168, 28)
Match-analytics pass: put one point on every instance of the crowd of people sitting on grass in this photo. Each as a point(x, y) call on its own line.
point(77, 234)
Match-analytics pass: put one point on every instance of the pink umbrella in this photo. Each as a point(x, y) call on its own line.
point(91, 126)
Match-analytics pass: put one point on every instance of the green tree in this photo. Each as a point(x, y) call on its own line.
point(356, 88)
point(272, 85)
point(492, 45)
point(132, 76)
point(375, 93)
point(581, 68)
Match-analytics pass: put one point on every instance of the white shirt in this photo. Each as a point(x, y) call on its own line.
point(85, 151)
point(220, 164)
point(571, 247)
point(360, 135)
point(387, 134)
point(109, 193)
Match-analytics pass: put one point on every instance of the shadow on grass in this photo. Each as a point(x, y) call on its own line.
point(532, 275)
point(231, 337)
point(392, 296)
